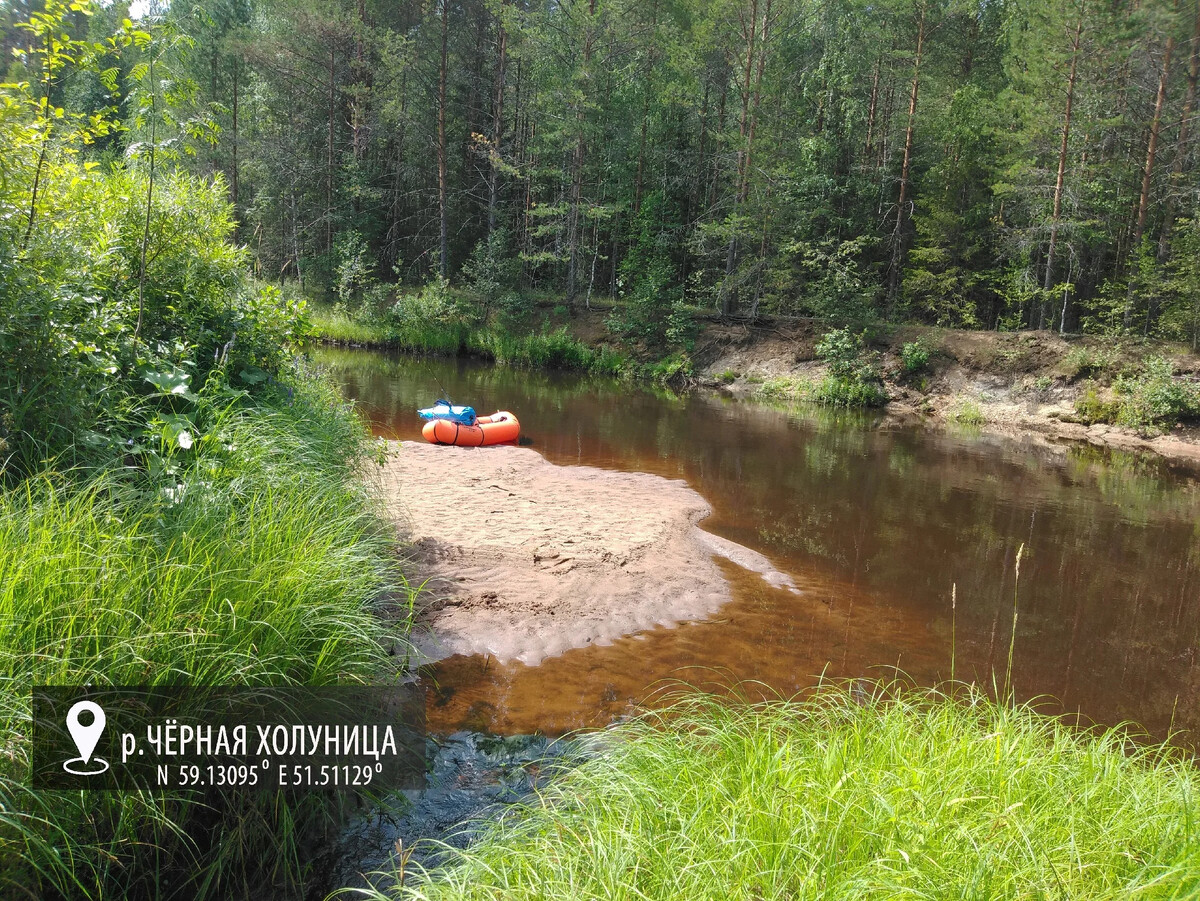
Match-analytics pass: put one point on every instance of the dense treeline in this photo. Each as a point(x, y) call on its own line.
point(966, 162)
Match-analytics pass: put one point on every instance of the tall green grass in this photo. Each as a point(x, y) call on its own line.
point(339, 327)
point(262, 560)
point(537, 350)
point(851, 794)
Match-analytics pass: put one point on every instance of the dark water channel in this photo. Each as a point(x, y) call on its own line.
point(875, 522)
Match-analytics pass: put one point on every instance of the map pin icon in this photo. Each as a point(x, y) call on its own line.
point(85, 737)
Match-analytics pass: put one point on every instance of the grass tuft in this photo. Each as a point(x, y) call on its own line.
point(260, 561)
point(856, 792)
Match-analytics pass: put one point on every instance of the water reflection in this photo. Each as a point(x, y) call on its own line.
point(876, 522)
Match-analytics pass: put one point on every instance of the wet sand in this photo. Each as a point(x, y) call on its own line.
point(526, 560)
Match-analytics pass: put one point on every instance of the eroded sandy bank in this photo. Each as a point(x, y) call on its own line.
point(527, 559)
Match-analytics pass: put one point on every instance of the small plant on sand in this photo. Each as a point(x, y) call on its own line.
point(1087, 362)
point(965, 411)
point(783, 387)
point(1091, 407)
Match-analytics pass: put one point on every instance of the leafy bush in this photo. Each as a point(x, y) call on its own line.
point(1087, 362)
point(353, 268)
point(782, 387)
point(1091, 407)
point(73, 335)
point(1155, 399)
point(653, 312)
point(914, 357)
point(854, 379)
point(672, 370)
point(491, 269)
point(835, 392)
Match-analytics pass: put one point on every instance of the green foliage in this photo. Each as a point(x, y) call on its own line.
point(831, 277)
point(253, 554)
point(783, 388)
point(1180, 317)
point(840, 392)
point(334, 324)
point(1092, 407)
point(854, 379)
point(914, 357)
point(353, 268)
point(70, 348)
point(965, 411)
point(1084, 361)
point(491, 271)
point(1156, 399)
point(652, 311)
point(673, 370)
point(857, 792)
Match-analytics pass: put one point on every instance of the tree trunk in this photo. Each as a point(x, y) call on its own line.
point(898, 235)
point(443, 221)
point(358, 116)
point(647, 81)
point(1181, 146)
point(871, 112)
point(577, 158)
point(329, 154)
point(756, 32)
point(1139, 228)
point(233, 168)
point(1048, 278)
point(1152, 144)
point(497, 126)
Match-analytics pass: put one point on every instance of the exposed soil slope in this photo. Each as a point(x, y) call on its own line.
point(1017, 382)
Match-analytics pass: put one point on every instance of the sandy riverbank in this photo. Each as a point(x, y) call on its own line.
point(526, 559)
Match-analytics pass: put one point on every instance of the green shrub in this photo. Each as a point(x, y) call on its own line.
point(1156, 399)
point(1087, 362)
point(783, 387)
point(491, 270)
point(671, 370)
point(1091, 407)
point(854, 379)
point(914, 357)
point(70, 345)
point(841, 392)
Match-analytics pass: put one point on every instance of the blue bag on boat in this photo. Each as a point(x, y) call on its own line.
point(445, 410)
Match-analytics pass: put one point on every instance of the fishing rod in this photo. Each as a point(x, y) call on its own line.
point(442, 388)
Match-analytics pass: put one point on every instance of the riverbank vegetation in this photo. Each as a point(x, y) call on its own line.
point(860, 791)
point(182, 500)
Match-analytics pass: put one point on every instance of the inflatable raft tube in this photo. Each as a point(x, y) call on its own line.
point(499, 428)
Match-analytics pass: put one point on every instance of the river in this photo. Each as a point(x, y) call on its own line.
point(903, 539)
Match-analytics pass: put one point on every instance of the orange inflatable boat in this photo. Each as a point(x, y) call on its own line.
point(499, 428)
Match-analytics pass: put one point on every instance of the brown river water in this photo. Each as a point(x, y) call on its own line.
point(903, 540)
